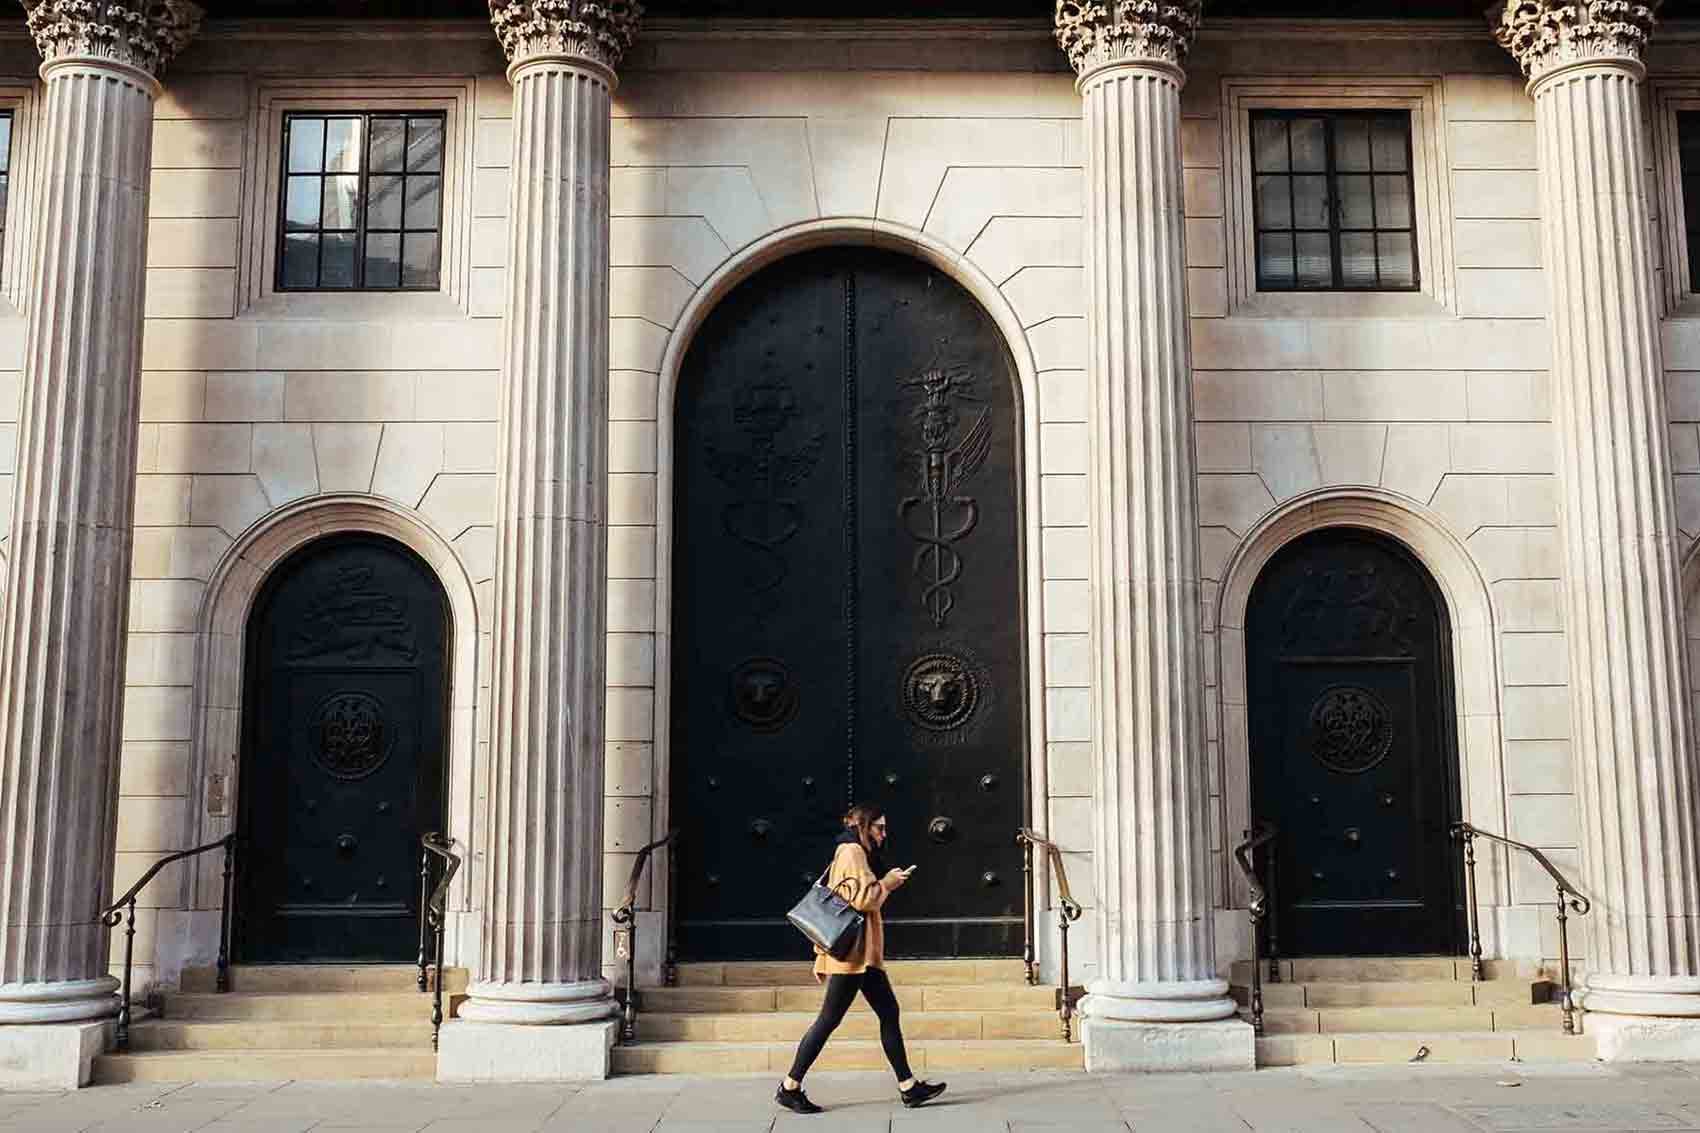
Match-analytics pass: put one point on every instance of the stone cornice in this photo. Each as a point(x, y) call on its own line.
point(145, 34)
point(1093, 33)
point(1545, 35)
point(598, 30)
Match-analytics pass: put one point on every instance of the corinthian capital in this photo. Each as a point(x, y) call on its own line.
point(1096, 32)
point(145, 34)
point(600, 32)
point(1543, 35)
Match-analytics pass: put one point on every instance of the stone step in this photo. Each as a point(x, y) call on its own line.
point(941, 997)
point(1435, 993)
point(387, 1007)
point(788, 1026)
point(272, 978)
point(1442, 1046)
point(265, 1066)
point(252, 1035)
point(925, 1056)
point(1382, 1020)
point(800, 973)
point(1384, 969)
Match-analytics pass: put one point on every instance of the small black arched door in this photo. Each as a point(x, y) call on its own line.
point(344, 724)
point(1352, 728)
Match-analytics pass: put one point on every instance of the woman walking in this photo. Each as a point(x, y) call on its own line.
point(858, 874)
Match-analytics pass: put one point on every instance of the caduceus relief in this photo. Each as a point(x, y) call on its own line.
point(765, 515)
point(946, 515)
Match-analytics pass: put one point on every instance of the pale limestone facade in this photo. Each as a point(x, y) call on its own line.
point(266, 419)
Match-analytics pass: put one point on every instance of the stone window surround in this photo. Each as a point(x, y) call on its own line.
point(221, 639)
point(1475, 665)
point(1431, 199)
point(738, 268)
point(19, 97)
point(262, 162)
point(1667, 99)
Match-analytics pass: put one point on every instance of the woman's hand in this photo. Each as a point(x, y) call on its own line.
point(894, 879)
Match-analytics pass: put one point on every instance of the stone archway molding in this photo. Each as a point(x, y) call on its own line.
point(1475, 670)
point(777, 245)
point(215, 747)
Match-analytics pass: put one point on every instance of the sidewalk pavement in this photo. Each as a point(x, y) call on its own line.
point(1577, 1098)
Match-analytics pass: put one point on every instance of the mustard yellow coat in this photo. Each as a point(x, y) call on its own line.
point(853, 879)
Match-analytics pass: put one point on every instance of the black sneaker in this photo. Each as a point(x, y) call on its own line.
point(920, 1093)
point(796, 1100)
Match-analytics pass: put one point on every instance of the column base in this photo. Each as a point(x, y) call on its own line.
point(516, 1052)
point(51, 1056)
point(1114, 1045)
point(1642, 1038)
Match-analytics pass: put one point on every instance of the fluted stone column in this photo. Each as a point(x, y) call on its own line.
point(539, 1007)
point(1635, 761)
point(62, 631)
point(1158, 1003)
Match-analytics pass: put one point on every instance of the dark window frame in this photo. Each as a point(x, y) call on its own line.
point(1331, 175)
point(362, 206)
point(1688, 181)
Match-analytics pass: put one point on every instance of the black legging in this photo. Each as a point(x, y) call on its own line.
point(840, 994)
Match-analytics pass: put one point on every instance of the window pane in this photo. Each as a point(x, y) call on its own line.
point(419, 260)
point(300, 260)
point(301, 203)
point(1269, 144)
point(342, 199)
point(389, 140)
point(1310, 153)
point(383, 202)
point(383, 260)
point(1274, 261)
point(306, 144)
point(1315, 259)
point(423, 200)
point(1351, 145)
point(1390, 143)
point(1356, 207)
point(425, 145)
point(1274, 207)
point(1398, 262)
point(336, 266)
point(342, 145)
point(1310, 202)
point(1393, 201)
point(1357, 259)
point(1688, 149)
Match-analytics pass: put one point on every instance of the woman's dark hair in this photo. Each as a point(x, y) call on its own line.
point(861, 819)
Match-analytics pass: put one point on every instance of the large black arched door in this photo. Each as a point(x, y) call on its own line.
point(1352, 728)
point(344, 726)
point(847, 604)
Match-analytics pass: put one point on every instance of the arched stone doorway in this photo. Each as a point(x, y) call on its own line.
point(1353, 746)
point(846, 612)
point(345, 722)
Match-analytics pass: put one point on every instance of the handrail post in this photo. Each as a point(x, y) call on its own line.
point(1065, 1009)
point(437, 990)
point(670, 967)
point(1027, 911)
point(222, 982)
point(1272, 903)
point(1471, 912)
point(122, 1036)
point(1256, 915)
point(424, 911)
point(1568, 1004)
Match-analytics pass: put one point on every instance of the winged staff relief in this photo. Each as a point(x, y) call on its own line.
point(941, 516)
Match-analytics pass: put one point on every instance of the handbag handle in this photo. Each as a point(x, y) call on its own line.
point(821, 880)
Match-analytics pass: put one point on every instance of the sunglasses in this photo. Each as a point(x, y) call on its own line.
point(878, 826)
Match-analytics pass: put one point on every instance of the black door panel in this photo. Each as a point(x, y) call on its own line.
point(847, 610)
point(1347, 669)
point(343, 759)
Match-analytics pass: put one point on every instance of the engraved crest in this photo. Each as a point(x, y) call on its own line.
point(763, 694)
point(1356, 609)
point(353, 739)
point(941, 515)
point(1351, 729)
point(350, 620)
point(940, 691)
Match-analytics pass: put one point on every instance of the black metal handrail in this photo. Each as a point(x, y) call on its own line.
point(626, 936)
point(1258, 907)
point(1569, 898)
point(123, 911)
point(433, 915)
point(1068, 911)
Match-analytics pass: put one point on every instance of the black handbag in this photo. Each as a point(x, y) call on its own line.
point(827, 919)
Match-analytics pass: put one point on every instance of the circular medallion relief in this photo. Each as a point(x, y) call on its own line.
point(353, 739)
point(1351, 729)
point(763, 694)
point(940, 691)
